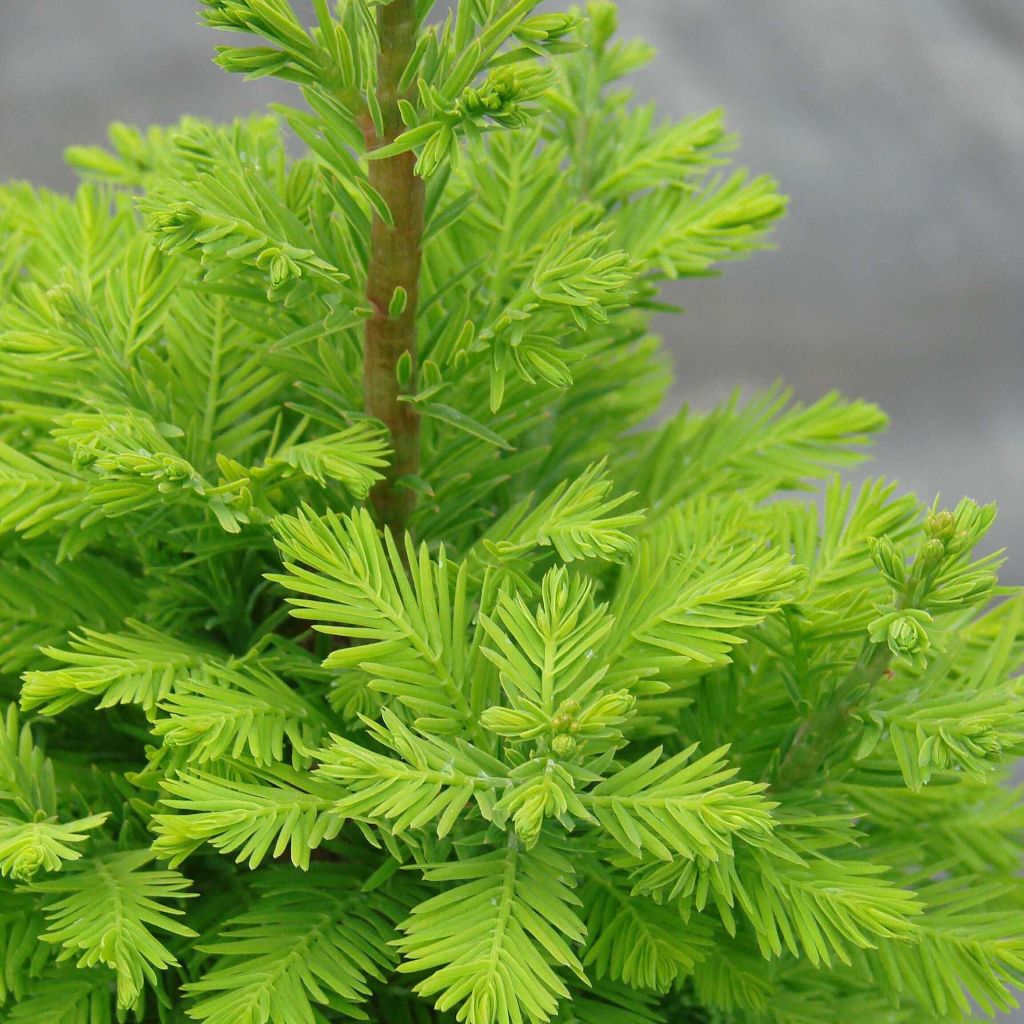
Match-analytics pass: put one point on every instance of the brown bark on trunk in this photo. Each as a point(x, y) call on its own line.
point(394, 264)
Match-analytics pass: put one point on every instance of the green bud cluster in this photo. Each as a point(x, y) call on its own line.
point(571, 723)
point(933, 551)
point(905, 632)
point(504, 95)
point(941, 525)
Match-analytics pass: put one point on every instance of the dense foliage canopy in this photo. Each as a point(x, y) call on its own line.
point(574, 718)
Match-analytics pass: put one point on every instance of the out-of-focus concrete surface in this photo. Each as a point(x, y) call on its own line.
point(898, 129)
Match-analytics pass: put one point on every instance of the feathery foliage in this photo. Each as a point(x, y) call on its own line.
point(368, 653)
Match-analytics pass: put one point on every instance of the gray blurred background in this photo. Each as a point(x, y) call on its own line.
point(897, 128)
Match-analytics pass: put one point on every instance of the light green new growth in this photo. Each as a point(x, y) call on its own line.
point(367, 652)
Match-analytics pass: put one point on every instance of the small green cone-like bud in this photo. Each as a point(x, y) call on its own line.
point(888, 559)
point(940, 525)
point(904, 632)
point(563, 745)
point(27, 863)
point(282, 270)
point(905, 635)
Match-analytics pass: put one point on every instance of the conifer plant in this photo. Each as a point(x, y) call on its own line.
point(368, 653)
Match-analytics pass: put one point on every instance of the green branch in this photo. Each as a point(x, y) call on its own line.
point(818, 734)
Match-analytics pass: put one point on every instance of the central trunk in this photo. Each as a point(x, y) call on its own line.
point(394, 267)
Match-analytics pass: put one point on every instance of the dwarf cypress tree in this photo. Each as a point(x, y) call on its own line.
point(369, 654)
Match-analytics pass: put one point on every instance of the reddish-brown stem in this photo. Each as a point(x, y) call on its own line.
point(394, 264)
